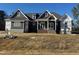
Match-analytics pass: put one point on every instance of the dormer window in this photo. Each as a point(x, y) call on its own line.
point(18, 14)
point(33, 16)
point(46, 14)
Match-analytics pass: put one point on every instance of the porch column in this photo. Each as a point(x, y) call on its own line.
point(55, 25)
point(37, 26)
point(47, 25)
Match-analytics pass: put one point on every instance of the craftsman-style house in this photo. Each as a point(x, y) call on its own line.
point(39, 22)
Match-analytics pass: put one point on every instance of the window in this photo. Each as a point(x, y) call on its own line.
point(46, 14)
point(18, 14)
point(42, 25)
point(52, 25)
point(33, 16)
point(17, 24)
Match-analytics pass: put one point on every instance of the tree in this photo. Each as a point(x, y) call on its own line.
point(2, 21)
point(75, 12)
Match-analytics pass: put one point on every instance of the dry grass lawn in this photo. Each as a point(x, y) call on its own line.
point(39, 43)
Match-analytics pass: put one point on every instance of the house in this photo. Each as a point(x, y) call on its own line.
point(17, 22)
point(66, 24)
point(39, 22)
point(47, 22)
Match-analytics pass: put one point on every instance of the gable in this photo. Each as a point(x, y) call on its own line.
point(51, 18)
point(58, 16)
point(49, 15)
point(66, 18)
point(19, 15)
point(44, 15)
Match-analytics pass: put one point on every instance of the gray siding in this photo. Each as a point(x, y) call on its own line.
point(26, 26)
point(17, 28)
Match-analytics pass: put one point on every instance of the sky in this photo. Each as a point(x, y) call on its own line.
point(59, 8)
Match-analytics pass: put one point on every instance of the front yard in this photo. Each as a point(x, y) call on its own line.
point(40, 43)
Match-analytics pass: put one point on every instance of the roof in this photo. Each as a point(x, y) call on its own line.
point(50, 14)
point(56, 15)
point(43, 15)
point(66, 16)
point(30, 15)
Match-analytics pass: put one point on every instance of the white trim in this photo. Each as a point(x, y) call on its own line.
point(44, 12)
point(54, 16)
point(21, 13)
point(68, 17)
point(48, 12)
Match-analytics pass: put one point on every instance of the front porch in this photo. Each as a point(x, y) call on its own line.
point(45, 26)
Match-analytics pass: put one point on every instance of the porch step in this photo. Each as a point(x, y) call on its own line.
point(42, 31)
point(46, 31)
point(51, 31)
